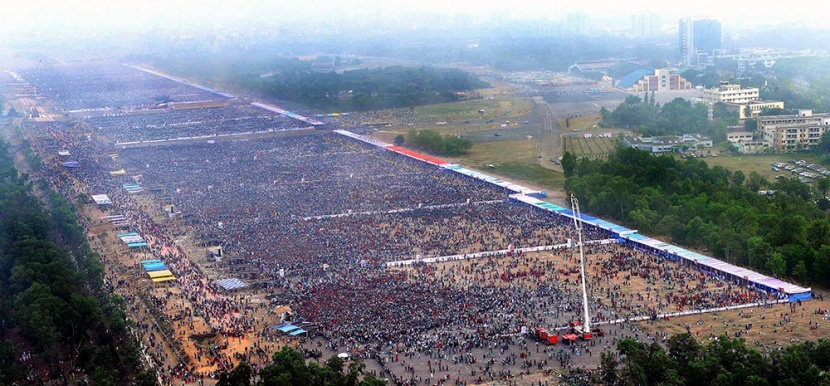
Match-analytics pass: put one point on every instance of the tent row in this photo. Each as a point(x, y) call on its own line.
point(157, 270)
point(117, 220)
point(101, 199)
point(132, 239)
point(231, 284)
point(133, 188)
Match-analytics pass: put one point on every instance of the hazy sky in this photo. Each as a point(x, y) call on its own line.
point(46, 17)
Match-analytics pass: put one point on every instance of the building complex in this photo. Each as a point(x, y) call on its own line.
point(793, 132)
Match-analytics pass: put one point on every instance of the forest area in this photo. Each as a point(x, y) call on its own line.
point(680, 116)
point(56, 307)
point(301, 82)
point(434, 143)
point(723, 361)
point(289, 368)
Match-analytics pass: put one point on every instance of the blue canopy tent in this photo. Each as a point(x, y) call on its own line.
point(288, 328)
point(155, 267)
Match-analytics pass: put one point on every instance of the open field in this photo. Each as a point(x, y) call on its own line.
point(595, 147)
point(770, 328)
point(514, 161)
point(535, 174)
point(500, 152)
point(757, 163)
point(510, 151)
point(496, 108)
point(581, 122)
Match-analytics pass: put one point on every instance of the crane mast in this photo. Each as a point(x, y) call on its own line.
point(586, 327)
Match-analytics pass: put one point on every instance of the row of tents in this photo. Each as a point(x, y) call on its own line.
point(157, 271)
point(132, 239)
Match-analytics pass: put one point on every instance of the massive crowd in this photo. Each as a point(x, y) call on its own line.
point(172, 123)
point(312, 218)
point(105, 85)
point(298, 205)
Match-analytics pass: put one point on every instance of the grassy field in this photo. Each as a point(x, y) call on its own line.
point(495, 108)
point(514, 160)
point(581, 122)
point(533, 173)
point(500, 153)
point(589, 147)
point(758, 163)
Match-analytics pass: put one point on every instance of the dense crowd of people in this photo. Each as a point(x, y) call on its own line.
point(338, 203)
point(173, 123)
point(313, 217)
point(106, 85)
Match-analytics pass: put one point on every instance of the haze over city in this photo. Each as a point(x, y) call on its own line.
point(49, 19)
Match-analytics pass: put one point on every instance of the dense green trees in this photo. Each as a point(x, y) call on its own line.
point(352, 90)
point(689, 203)
point(289, 368)
point(823, 147)
point(50, 290)
point(432, 142)
point(674, 118)
point(370, 89)
point(724, 361)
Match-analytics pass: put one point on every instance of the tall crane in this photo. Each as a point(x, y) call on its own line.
point(585, 329)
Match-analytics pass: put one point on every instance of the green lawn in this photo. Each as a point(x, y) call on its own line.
point(533, 173)
point(758, 163)
point(583, 123)
point(496, 108)
point(500, 152)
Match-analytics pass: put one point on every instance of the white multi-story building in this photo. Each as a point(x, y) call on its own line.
point(661, 80)
point(731, 93)
point(739, 136)
point(756, 107)
point(739, 98)
point(793, 132)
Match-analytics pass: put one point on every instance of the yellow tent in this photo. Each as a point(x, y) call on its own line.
point(157, 274)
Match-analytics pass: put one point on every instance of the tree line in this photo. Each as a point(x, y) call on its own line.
point(288, 368)
point(434, 143)
point(785, 233)
point(54, 305)
point(723, 361)
point(648, 118)
point(369, 89)
point(299, 81)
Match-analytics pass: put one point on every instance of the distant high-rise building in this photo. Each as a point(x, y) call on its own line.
point(707, 35)
point(645, 24)
point(576, 23)
point(698, 38)
point(687, 44)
